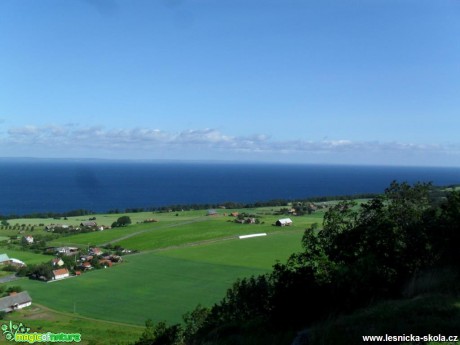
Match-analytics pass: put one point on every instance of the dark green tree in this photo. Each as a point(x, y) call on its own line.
point(193, 321)
point(161, 334)
point(122, 221)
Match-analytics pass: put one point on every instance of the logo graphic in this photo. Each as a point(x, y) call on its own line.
point(20, 333)
point(10, 330)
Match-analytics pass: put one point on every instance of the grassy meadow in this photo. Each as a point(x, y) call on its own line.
point(25, 256)
point(163, 285)
point(185, 258)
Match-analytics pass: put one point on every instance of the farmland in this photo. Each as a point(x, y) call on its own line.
point(164, 285)
point(184, 259)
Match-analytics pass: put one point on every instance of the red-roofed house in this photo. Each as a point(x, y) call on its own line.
point(61, 273)
point(86, 265)
point(105, 263)
point(96, 251)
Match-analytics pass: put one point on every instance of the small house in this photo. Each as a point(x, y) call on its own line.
point(86, 266)
point(15, 301)
point(57, 262)
point(250, 220)
point(105, 263)
point(96, 251)
point(61, 273)
point(28, 239)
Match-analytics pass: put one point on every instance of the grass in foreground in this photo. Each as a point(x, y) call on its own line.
point(94, 332)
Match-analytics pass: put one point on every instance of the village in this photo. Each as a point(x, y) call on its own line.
point(67, 262)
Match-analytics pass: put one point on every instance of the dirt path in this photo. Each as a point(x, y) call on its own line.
point(78, 316)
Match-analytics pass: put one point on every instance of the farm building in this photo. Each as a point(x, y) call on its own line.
point(17, 263)
point(53, 227)
point(15, 301)
point(66, 250)
point(60, 273)
point(283, 222)
point(211, 213)
point(89, 224)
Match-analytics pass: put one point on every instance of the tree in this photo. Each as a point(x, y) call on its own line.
point(160, 334)
point(12, 289)
point(122, 221)
point(445, 235)
point(193, 322)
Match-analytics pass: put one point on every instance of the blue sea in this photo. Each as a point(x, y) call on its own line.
point(29, 186)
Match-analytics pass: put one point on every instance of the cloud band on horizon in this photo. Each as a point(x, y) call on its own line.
point(146, 141)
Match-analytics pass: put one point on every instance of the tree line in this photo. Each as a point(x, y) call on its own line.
point(184, 207)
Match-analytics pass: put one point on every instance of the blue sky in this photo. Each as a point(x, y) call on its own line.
point(339, 81)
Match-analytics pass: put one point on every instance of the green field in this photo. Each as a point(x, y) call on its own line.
point(186, 258)
point(163, 285)
point(188, 227)
point(26, 256)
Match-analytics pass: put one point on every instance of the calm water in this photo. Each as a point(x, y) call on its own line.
point(59, 186)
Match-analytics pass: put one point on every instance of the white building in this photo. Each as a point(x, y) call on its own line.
point(284, 222)
point(15, 301)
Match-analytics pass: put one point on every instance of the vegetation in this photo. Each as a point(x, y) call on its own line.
point(364, 254)
point(94, 332)
point(163, 285)
point(122, 221)
point(368, 257)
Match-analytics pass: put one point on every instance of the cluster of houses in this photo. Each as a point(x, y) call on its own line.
point(252, 220)
point(243, 219)
point(66, 251)
point(84, 263)
point(90, 224)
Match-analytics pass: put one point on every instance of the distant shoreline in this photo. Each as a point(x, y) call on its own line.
point(57, 188)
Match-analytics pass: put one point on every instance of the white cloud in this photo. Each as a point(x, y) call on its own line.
point(206, 143)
